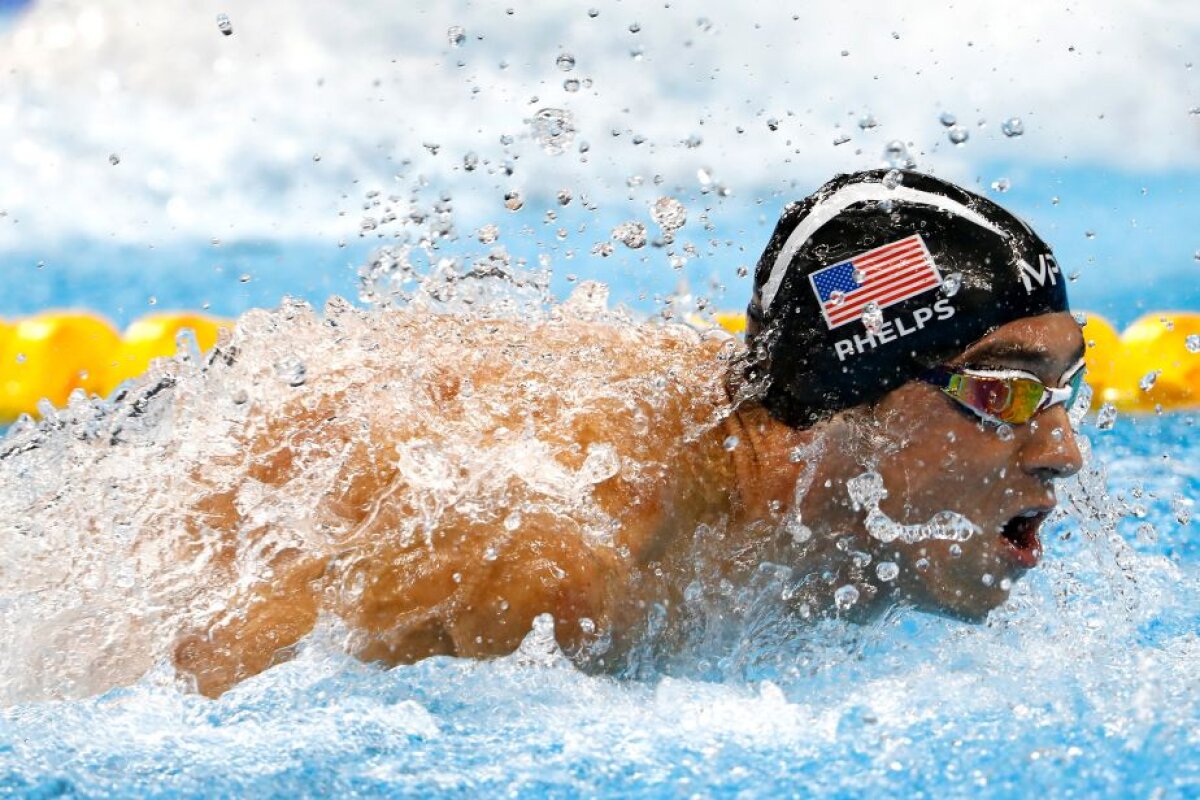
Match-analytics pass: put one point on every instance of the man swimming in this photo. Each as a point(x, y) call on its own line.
point(893, 431)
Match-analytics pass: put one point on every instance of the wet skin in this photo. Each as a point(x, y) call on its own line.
point(446, 597)
point(934, 455)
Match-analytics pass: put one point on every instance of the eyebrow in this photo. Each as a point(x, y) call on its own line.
point(1017, 354)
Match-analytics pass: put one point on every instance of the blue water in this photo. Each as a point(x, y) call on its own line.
point(1087, 686)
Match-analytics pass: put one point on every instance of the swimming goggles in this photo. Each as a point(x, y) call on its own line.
point(1005, 395)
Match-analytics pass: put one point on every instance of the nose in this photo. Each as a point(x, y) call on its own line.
point(1050, 451)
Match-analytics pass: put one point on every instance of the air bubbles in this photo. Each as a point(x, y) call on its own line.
point(837, 297)
point(887, 571)
point(571, 85)
point(513, 201)
point(565, 62)
point(1012, 127)
point(563, 197)
point(1192, 343)
point(243, 278)
point(456, 35)
point(602, 249)
point(1080, 318)
point(772, 124)
point(635, 28)
point(1004, 432)
point(731, 443)
point(224, 25)
point(1001, 185)
point(892, 179)
point(947, 119)
point(114, 159)
point(632, 234)
point(593, 12)
point(840, 139)
point(958, 135)
point(1149, 379)
point(867, 122)
point(845, 596)
point(669, 214)
point(470, 161)
point(951, 284)
point(1089, 234)
point(554, 130)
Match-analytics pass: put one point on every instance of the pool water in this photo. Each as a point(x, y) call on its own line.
point(1086, 684)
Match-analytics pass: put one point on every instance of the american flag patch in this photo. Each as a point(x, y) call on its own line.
point(884, 276)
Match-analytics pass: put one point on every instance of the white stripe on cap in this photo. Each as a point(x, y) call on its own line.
point(842, 199)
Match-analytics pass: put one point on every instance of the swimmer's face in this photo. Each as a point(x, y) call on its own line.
point(935, 455)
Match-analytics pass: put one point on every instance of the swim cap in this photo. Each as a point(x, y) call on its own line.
point(880, 275)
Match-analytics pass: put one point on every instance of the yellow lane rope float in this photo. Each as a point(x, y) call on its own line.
point(1154, 363)
point(51, 354)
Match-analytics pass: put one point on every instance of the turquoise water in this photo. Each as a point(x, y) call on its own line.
point(1086, 685)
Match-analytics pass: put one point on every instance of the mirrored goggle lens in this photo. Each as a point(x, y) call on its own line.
point(1012, 400)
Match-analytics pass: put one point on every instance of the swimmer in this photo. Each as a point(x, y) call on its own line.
point(895, 424)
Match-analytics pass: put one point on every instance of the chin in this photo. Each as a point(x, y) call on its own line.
point(972, 605)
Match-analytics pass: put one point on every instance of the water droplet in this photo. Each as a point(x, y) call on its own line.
point(1001, 185)
point(239, 397)
point(731, 443)
point(1146, 533)
point(1149, 379)
point(859, 275)
point(291, 371)
point(593, 12)
point(565, 62)
point(872, 317)
point(895, 153)
point(635, 28)
point(114, 159)
point(1012, 127)
point(456, 35)
point(840, 139)
point(837, 297)
point(947, 119)
point(1106, 417)
point(631, 234)
point(491, 553)
point(892, 179)
point(602, 249)
point(958, 135)
point(845, 596)
point(951, 284)
point(564, 197)
point(772, 124)
point(512, 521)
point(1080, 318)
point(867, 121)
point(488, 233)
point(1192, 343)
point(554, 130)
point(1089, 234)
point(988, 579)
point(513, 201)
point(668, 213)
point(243, 278)
point(1004, 432)
point(799, 532)
point(224, 25)
point(316, 158)
point(571, 85)
point(886, 571)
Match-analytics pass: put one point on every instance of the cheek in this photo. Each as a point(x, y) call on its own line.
point(951, 469)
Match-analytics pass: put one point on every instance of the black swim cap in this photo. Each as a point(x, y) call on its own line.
point(880, 275)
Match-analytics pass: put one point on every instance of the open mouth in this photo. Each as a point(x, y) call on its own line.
point(1021, 535)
